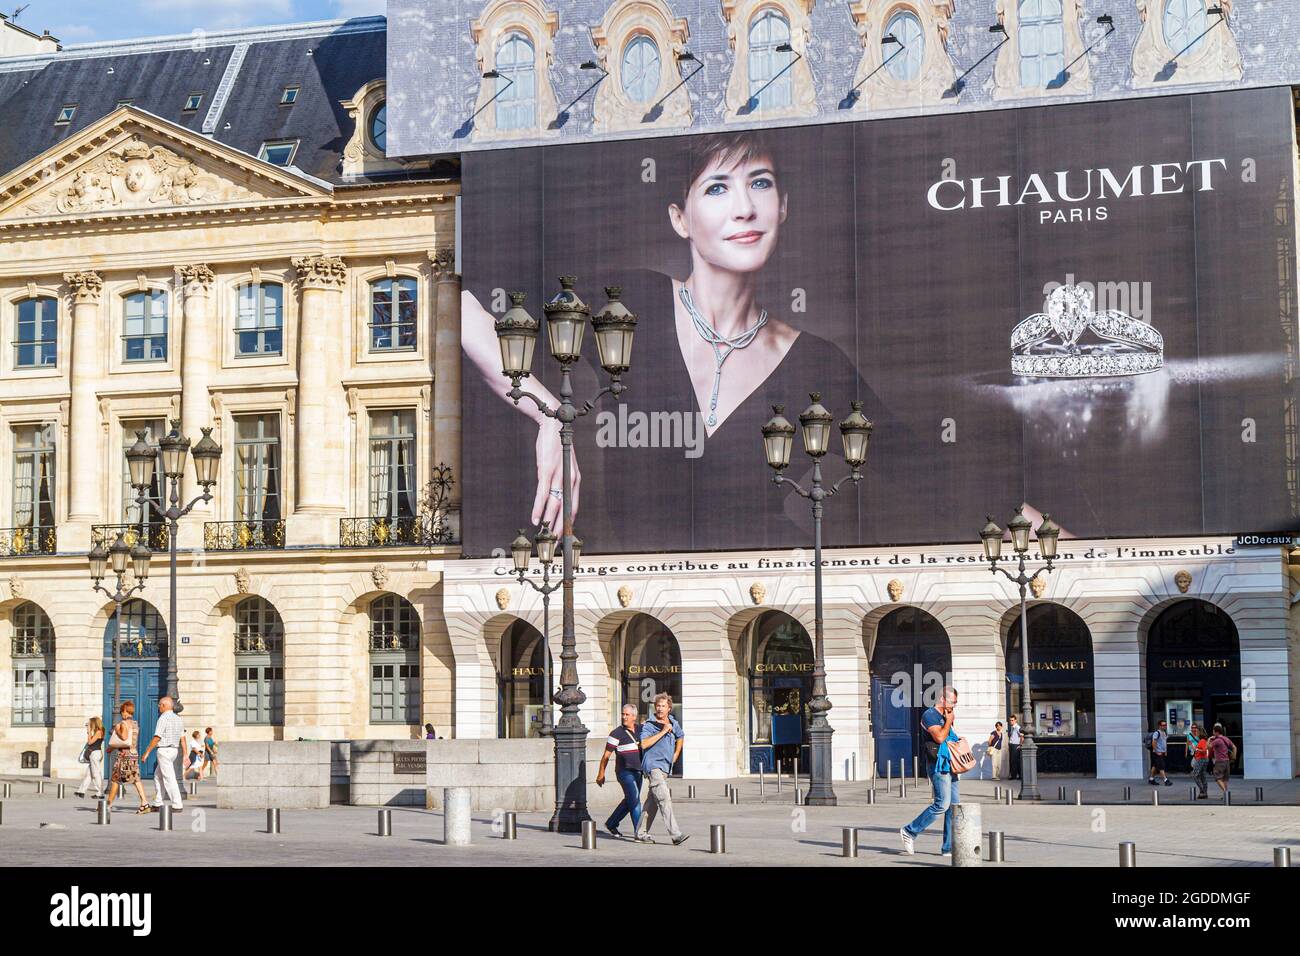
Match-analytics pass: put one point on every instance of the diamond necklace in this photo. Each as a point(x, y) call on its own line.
point(716, 341)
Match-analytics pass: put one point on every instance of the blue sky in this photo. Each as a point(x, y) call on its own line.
point(85, 21)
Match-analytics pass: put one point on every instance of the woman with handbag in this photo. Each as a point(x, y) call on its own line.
point(92, 755)
point(125, 744)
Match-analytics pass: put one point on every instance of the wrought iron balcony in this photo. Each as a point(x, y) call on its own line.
point(20, 541)
point(243, 535)
point(422, 530)
point(154, 534)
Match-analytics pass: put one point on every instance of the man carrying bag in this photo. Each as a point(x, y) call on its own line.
point(948, 756)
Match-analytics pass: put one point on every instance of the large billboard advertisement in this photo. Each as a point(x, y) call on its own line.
point(1087, 309)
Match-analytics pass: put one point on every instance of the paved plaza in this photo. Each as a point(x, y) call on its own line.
point(770, 832)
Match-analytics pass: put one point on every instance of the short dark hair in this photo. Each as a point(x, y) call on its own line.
point(998, 724)
point(704, 151)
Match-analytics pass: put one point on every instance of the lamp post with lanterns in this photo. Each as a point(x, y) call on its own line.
point(141, 459)
point(116, 558)
point(1048, 533)
point(778, 438)
point(567, 317)
point(521, 553)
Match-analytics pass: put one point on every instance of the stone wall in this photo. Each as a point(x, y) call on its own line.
point(290, 774)
point(514, 775)
point(373, 781)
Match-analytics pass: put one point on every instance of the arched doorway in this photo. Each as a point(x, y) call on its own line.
point(1193, 675)
point(780, 655)
point(521, 682)
point(259, 663)
point(142, 639)
point(650, 663)
point(396, 696)
point(1061, 685)
point(910, 663)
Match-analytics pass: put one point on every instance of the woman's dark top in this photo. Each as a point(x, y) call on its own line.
point(97, 745)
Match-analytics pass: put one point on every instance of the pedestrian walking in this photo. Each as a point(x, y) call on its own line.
point(195, 755)
point(209, 752)
point(993, 750)
point(1014, 738)
point(93, 757)
point(661, 747)
point(1158, 743)
point(947, 755)
point(429, 733)
point(167, 736)
point(1222, 753)
point(124, 746)
point(1200, 750)
point(624, 741)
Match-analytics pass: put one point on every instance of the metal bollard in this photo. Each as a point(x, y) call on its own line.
point(6, 790)
point(855, 766)
point(40, 788)
point(457, 820)
point(849, 837)
point(1227, 798)
point(997, 847)
point(889, 776)
point(62, 791)
point(798, 796)
point(1128, 793)
point(1155, 798)
point(796, 773)
point(1259, 794)
point(273, 820)
point(871, 798)
point(1128, 854)
point(194, 788)
point(2, 812)
point(103, 812)
point(1008, 796)
point(690, 792)
point(997, 793)
point(902, 787)
point(762, 786)
point(509, 828)
point(916, 769)
point(385, 823)
point(735, 796)
point(967, 830)
point(726, 789)
point(1060, 793)
point(1282, 856)
point(1191, 794)
point(717, 838)
point(1078, 798)
point(165, 817)
point(589, 834)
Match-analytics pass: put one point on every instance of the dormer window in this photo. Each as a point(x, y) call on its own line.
point(278, 152)
point(193, 102)
point(289, 96)
point(66, 112)
point(379, 126)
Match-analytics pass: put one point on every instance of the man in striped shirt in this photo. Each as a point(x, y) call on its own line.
point(624, 742)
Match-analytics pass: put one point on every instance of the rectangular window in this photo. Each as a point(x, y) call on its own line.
point(32, 696)
point(153, 430)
point(259, 695)
point(193, 101)
point(145, 338)
point(36, 345)
point(289, 96)
point(259, 325)
point(278, 153)
point(33, 478)
point(392, 464)
point(257, 468)
point(66, 113)
point(393, 309)
point(395, 693)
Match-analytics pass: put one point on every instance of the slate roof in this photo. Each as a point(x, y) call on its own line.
point(158, 75)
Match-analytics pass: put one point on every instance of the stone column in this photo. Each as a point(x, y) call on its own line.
point(446, 370)
point(321, 449)
point(197, 361)
point(85, 504)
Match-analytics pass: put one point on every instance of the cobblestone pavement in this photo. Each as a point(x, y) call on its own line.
point(774, 832)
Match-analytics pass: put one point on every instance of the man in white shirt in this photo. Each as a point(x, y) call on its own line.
point(167, 736)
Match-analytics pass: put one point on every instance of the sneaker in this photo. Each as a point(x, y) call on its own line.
point(946, 853)
point(678, 841)
point(79, 793)
point(909, 845)
point(1168, 782)
point(644, 838)
point(1151, 780)
point(613, 831)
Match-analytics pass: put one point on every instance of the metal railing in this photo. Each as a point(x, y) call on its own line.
point(243, 535)
point(19, 541)
point(414, 531)
point(155, 535)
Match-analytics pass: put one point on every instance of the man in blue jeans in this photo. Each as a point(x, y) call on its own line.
point(624, 742)
point(937, 723)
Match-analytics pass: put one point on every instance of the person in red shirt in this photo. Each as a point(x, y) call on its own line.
point(1200, 761)
point(1222, 752)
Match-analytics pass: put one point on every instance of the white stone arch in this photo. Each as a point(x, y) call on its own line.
point(613, 109)
point(1006, 68)
point(880, 89)
point(539, 24)
point(739, 15)
point(1216, 59)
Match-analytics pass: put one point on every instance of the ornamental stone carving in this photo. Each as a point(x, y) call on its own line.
point(444, 264)
point(503, 599)
point(1161, 61)
point(321, 272)
point(87, 287)
point(17, 587)
point(1038, 585)
point(137, 176)
point(379, 574)
point(895, 589)
point(1184, 580)
point(197, 279)
point(241, 580)
point(757, 592)
point(624, 596)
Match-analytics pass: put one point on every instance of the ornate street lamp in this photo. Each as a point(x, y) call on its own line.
point(521, 552)
point(778, 437)
point(567, 317)
point(115, 559)
point(1048, 533)
point(173, 449)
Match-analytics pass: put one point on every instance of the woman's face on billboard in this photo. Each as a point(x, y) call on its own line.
point(732, 213)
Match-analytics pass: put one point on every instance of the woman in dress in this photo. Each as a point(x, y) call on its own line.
point(94, 758)
point(125, 744)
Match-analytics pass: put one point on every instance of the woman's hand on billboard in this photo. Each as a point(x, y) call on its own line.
point(547, 503)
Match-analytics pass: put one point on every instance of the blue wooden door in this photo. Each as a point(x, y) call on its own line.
point(892, 726)
point(142, 681)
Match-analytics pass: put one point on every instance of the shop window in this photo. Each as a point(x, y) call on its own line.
point(36, 333)
point(780, 686)
point(521, 682)
point(911, 68)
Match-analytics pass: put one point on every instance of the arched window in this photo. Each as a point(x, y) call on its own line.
point(516, 64)
point(394, 661)
point(259, 663)
point(259, 324)
point(1184, 25)
point(766, 32)
point(144, 333)
point(1042, 42)
point(379, 126)
point(33, 663)
point(903, 59)
point(393, 314)
point(141, 631)
point(641, 69)
point(36, 333)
